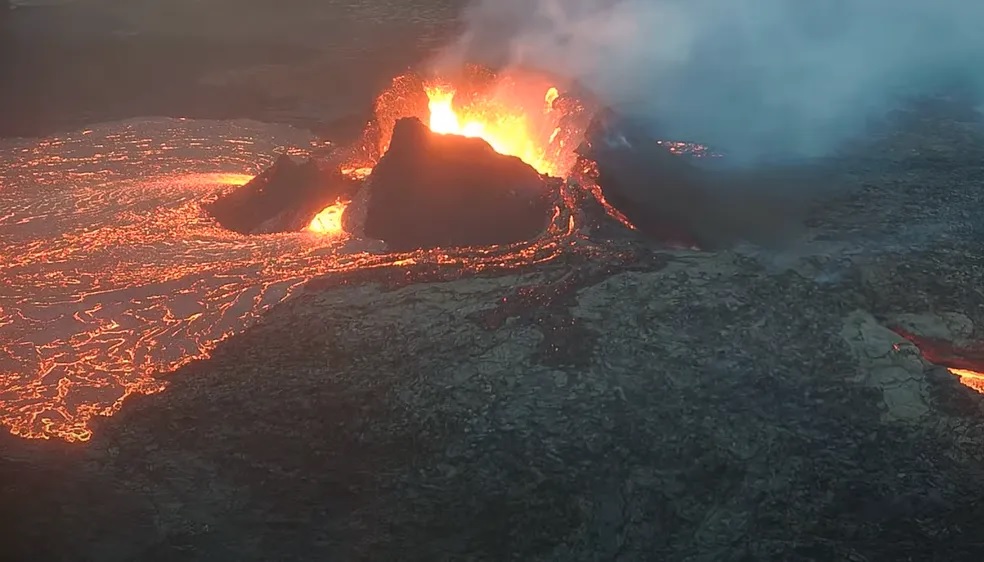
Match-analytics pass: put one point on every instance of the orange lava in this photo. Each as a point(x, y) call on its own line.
point(516, 117)
point(329, 221)
point(515, 112)
point(508, 128)
point(586, 174)
point(955, 358)
point(114, 276)
point(970, 379)
point(356, 173)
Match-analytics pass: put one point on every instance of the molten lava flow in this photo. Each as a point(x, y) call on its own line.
point(688, 148)
point(961, 362)
point(970, 379)
point(113, 275)
point(586, 175)
point(329, 220)
point(507, 129)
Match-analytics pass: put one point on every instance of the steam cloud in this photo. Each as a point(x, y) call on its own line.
point(755, 78)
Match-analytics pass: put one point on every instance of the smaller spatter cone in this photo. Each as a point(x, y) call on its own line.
point(431, 190)
point(283, 198)
point(658, 192)
point(666, 196)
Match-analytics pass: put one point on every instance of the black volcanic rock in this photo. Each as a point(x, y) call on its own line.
point(670, 198)
point(284, 198)
point(659, 192)
point(431, 190)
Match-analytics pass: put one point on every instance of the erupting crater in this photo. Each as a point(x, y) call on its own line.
point(131, 249)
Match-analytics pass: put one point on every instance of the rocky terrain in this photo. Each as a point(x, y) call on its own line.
point(732, 405)
point(736, 405)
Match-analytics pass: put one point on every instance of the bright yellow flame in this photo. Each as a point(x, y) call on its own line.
point(552, 95)
point(506, 129)
point(356, 173)
point(443, 119)
point(972, 379)
point(329, 221)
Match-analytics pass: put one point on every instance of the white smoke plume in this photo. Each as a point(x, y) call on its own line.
point(755, 78)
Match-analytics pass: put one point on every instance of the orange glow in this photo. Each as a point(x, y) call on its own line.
point(356, 173)
point(506, 128)
point(229, 179)
point(114, 276)
point(329, 221)
point(519, 113)
point(551, 97)
point(971, 379)
point(945, 353)
point(586, 174)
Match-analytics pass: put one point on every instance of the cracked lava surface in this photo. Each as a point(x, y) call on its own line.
point(113, 274)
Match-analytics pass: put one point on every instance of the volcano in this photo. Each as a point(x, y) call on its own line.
point(586, 394)
point(286, 197)
point(468, 162)
point(477, 161)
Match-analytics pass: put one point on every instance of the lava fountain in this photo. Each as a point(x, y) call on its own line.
point(507, 130)
point(114, 274)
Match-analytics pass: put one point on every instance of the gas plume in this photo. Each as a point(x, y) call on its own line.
point(755, 78)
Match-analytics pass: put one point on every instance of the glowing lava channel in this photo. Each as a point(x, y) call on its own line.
point(113, 274)
point(970, 379)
